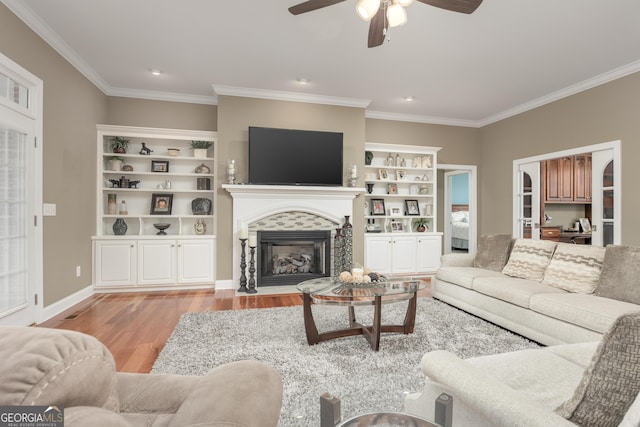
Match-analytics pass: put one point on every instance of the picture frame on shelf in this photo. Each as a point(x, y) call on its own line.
point(392, 189)
point(397, 227)
point(412, 207)
point(161, 204)
point(377, 207)
point(585, 225)
point(383, 174)
point(160, 166)
point(401, 175)
point(395, 212)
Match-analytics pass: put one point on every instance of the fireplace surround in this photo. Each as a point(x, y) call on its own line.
point(252, 203)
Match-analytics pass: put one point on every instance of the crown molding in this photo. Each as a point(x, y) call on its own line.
point(162, 96)
point(290, 96)
point(582, 86)
point(381, 115)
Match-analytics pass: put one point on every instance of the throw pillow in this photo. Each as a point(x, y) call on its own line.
point(493, 251)
point(529, 258)
point(611, 382)
point(575, 268)
point(620, 278)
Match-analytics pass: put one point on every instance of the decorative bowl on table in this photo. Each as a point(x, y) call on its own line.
point(161, 226)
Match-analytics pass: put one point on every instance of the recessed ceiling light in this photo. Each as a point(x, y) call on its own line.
point(408, 98)
point(155, 72)
point(302, 80)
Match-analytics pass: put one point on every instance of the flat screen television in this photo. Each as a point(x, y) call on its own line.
point(294, 157)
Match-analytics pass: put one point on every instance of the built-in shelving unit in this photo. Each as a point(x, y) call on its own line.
point(166, 184)
point(401, 195)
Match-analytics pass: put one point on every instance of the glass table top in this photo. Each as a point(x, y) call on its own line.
point(327, 290)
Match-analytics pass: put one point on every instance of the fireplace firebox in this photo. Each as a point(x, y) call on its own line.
point(290, 257)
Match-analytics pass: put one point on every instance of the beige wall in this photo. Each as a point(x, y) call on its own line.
point(72, 107)
point(161, 114)
point(236, 114)
point(606, 113)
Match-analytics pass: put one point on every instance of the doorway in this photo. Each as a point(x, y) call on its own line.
point(20, 195)
point(605, 204)
point(460, 225)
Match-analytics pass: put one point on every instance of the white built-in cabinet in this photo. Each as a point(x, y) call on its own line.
point(141, 259)
point(401, 183)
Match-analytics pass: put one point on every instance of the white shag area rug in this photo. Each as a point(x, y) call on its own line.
point(363, 379)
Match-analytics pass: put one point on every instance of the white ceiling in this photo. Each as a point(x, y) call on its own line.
point(470, 70)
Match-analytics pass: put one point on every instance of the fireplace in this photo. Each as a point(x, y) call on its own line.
point(253, 203)
point(290, 257)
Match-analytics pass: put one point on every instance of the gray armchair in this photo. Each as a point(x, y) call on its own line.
point(42, 366)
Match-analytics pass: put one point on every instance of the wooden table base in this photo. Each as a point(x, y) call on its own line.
point(370, 332)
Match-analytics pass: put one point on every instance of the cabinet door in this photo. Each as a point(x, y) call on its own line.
point(582, 178)
point(429, 252)
point(378, 253)
point(115, 263)
point(559, 180)
point(403, 259)
point(156, 262)
point(195, 261)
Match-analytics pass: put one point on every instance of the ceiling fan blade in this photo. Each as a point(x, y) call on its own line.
point(462, 6)
point(377, 28)
point(308, 6)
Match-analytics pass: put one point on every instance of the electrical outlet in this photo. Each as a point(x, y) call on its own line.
point(78, 271)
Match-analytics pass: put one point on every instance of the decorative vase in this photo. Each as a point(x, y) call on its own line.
point(201, 206)
point(120, 227)
point(202, 168)
point(368, 156)
point(112, 204)
point(115, 164)
point(347, 244)
point(338, 242)
point(369, 188)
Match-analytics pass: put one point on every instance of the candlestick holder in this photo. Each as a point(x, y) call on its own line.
point(243, 265)
point(252, 269)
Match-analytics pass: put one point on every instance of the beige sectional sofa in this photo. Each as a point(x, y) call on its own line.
point(572, 296)
point(553, 294)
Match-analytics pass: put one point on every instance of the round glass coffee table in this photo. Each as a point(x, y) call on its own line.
point(327, 291)
point(387, 419)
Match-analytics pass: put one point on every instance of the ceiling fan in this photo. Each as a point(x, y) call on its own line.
point(386, 13)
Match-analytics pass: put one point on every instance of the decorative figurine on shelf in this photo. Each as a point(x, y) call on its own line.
point(145, 151)
point(134, 183)
point(389, 161)
point(200, 226)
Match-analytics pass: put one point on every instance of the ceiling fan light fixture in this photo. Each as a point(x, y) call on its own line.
point(396, 15)
point(367, 9)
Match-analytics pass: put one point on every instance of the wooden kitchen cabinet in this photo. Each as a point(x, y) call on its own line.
point(559, 180)
point(582, 178)
point(568, 179)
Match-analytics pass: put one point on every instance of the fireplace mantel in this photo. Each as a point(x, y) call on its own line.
point(254, 202)
point(296, 191)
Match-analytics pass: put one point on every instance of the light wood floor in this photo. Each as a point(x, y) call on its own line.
point(135, 326)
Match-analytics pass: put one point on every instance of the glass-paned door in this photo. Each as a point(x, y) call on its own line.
point(528, 202)
point(605, 200)
point(20, 194)
point(13, 230)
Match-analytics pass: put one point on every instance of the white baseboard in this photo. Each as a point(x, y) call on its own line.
point(58, 307)
point(224, 284)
